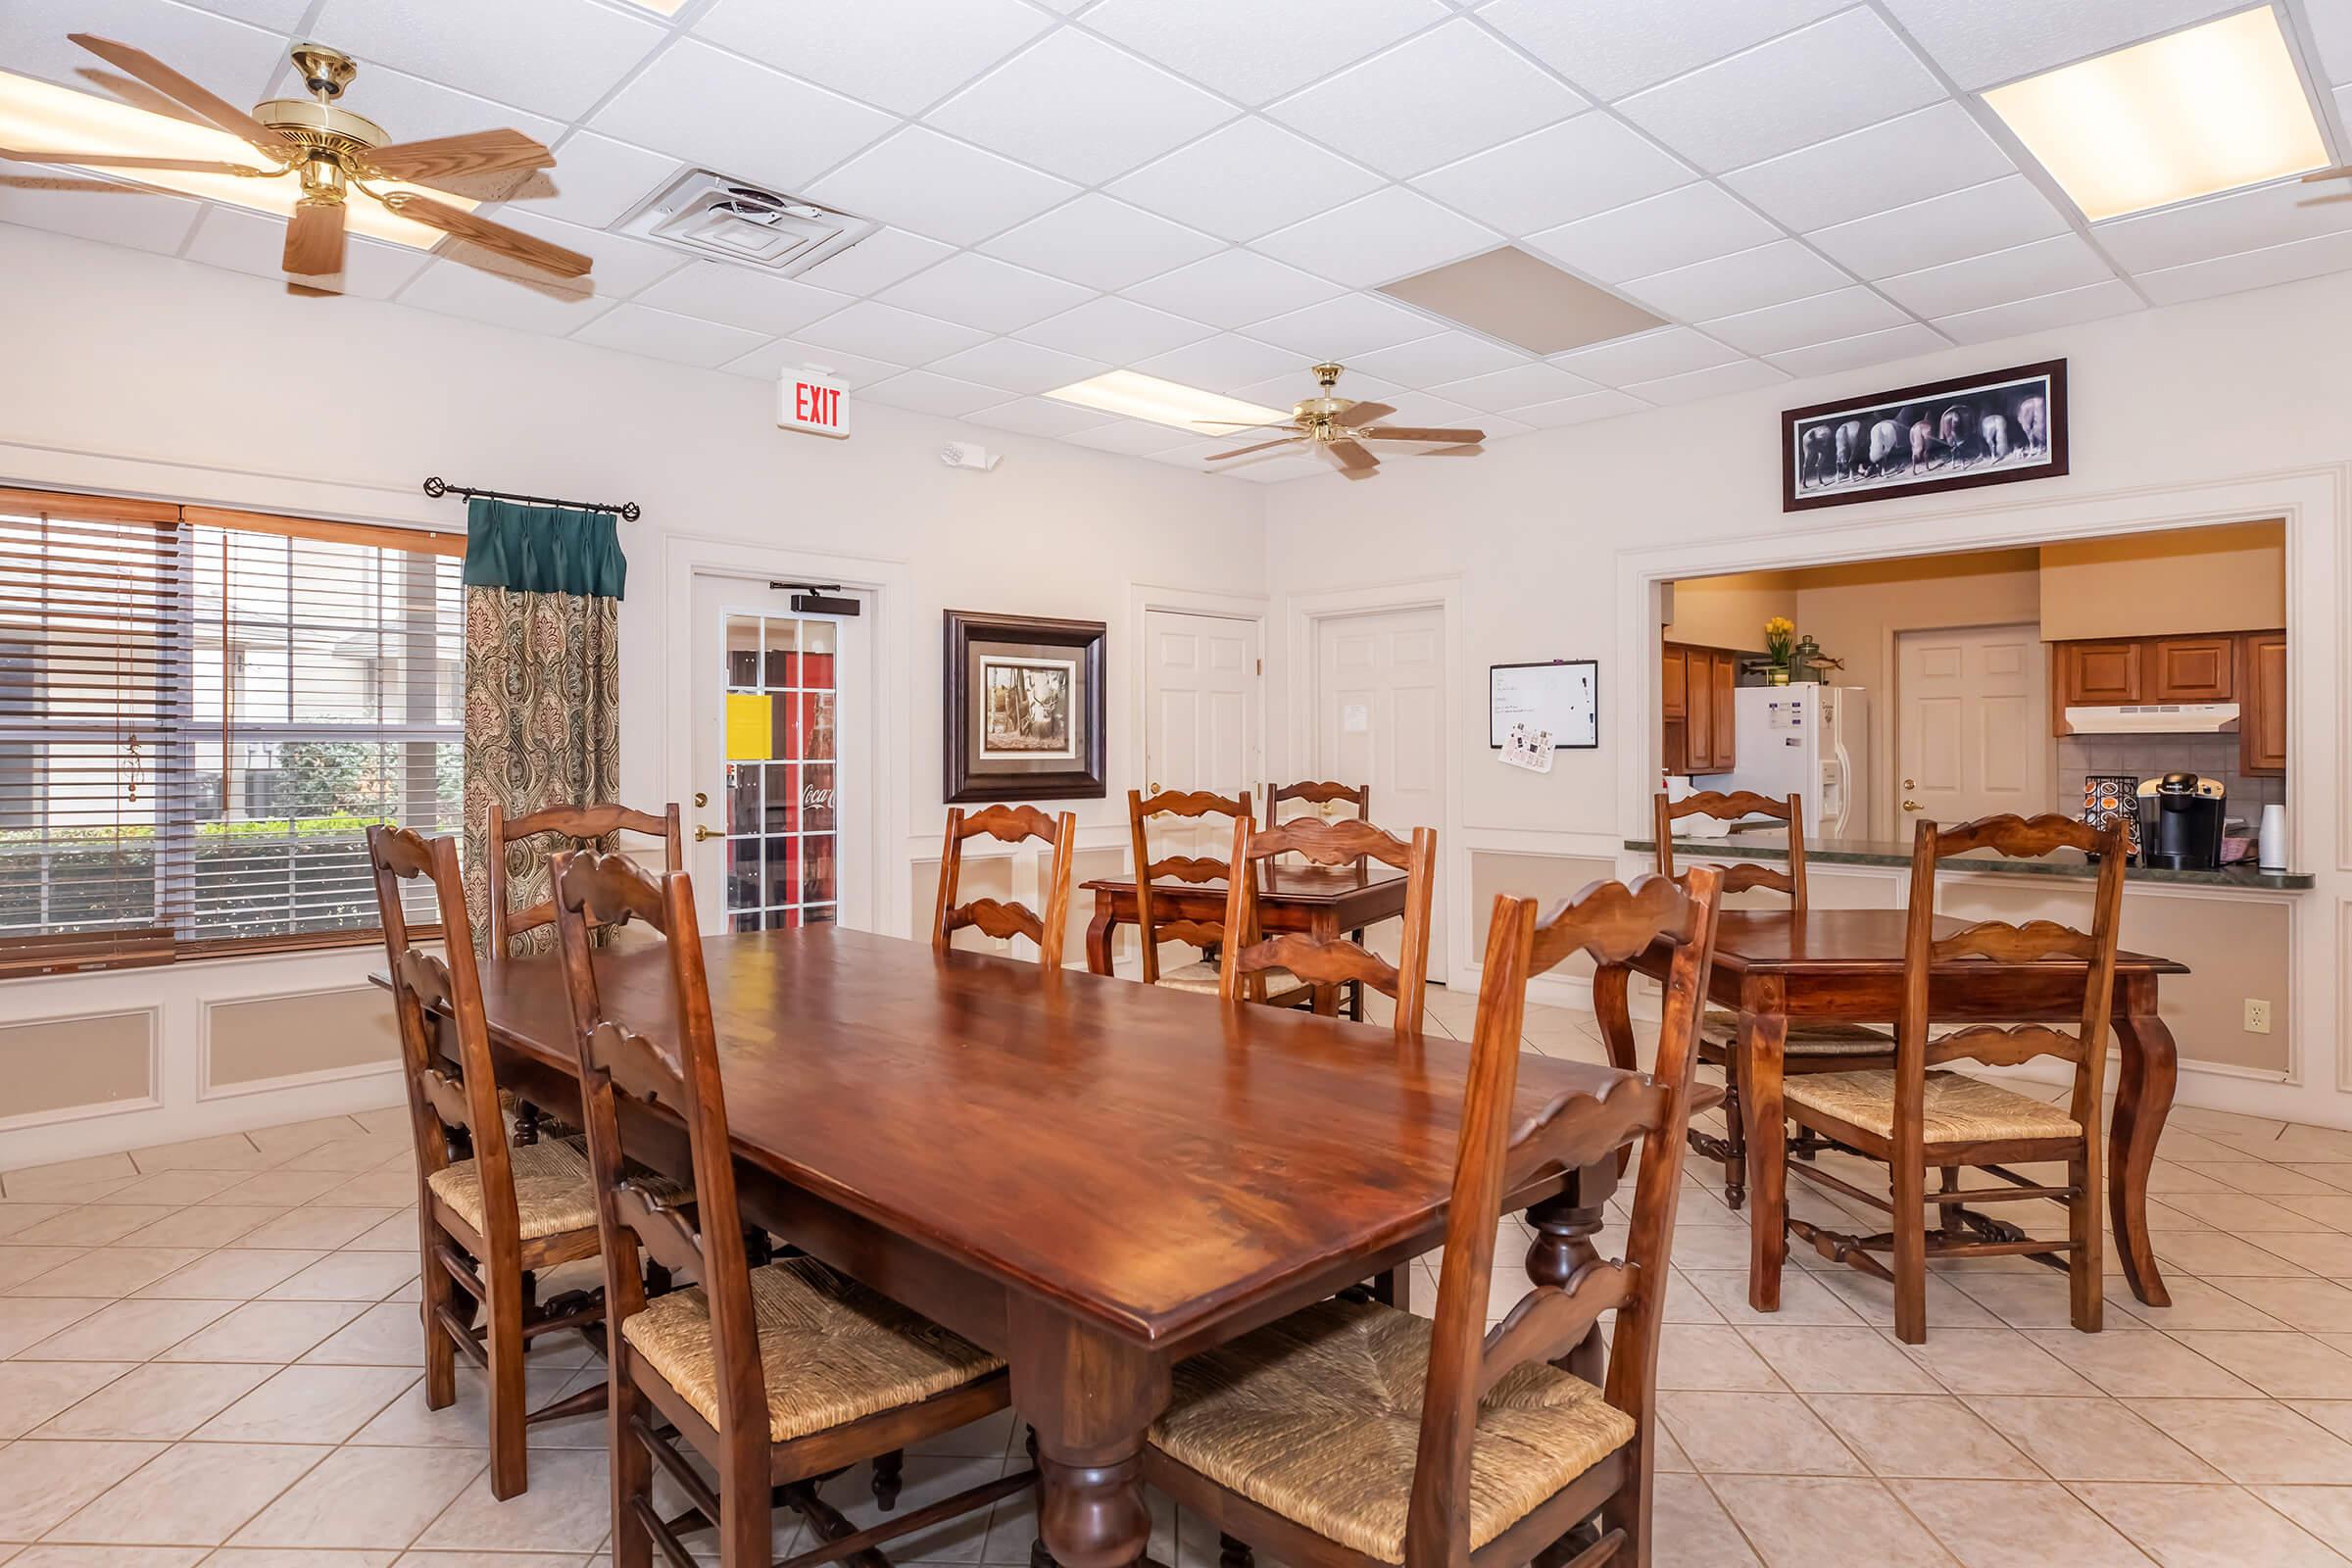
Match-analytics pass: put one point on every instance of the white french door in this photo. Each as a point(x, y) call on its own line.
point(784, 760)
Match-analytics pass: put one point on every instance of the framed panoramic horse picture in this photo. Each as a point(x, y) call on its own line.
point(1995, 429)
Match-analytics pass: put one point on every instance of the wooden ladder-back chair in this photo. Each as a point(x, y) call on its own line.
point(581, 827)
point(776, 1375)
point(1524, 1450)
point(1193, 869)
point(1322, 795)
point(1253, 962)
point(491, 1211)
point(1004, 920)
point(1812, 1045)
point(1914, 1120)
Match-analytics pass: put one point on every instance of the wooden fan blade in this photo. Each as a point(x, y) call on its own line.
point(1350, 457)
point(314, 239)
point(446, 158)
point(193, 166)
point(1286, 441)
point(1420, 432)
point(1366, 412)
point(2341, 171)
point(216, 110)
point(512, 243)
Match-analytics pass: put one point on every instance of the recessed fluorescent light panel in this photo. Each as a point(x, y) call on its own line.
point(2207, 109)
point(1187, 408)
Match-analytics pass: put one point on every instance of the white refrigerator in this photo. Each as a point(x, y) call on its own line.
point(1806, 740)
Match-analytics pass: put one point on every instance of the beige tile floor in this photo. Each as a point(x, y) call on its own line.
point(209, 1353)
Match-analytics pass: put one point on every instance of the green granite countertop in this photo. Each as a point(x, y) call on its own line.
point(1774, 845)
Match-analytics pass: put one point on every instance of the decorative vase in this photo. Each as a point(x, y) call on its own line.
point(1777, 675)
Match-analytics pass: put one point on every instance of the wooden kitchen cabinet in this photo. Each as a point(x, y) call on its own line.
point(1671, 675)
point(2100, 675)
point(1701, 731)
point(2190, 670)
point(2262, 702)
point(1722, 675)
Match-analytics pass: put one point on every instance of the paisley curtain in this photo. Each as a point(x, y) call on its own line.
point(543, 588)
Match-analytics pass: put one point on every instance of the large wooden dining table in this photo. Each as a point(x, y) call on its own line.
point(1092, 1178)
point(1774, 967)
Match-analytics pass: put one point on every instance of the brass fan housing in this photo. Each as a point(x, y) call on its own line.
point(321, 128)
point(325, 71)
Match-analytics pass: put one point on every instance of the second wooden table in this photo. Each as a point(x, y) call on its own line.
point(1320, 900)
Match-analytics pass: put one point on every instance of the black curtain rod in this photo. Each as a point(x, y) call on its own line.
point(437, 487)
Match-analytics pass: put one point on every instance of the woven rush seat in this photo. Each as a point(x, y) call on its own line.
point(1956, 1109)
point(552, 1194)
point(830, 1349)
point(1203, 976)
point(1318, 1418)
point(1805, 1038)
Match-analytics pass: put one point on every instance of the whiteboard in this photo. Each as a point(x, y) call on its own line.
point(1560, 695)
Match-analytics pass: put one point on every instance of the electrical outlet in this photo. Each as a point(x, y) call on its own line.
point(1005, 945)
point(2258, 1016)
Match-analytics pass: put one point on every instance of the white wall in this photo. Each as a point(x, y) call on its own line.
point(134, 373)
point(2207, 413)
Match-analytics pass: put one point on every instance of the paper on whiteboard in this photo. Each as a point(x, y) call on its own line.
point(1528, 749)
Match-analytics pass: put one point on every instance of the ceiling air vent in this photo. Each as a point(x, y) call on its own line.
point(731, 221)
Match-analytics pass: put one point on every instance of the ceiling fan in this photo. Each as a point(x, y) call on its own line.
point(334, 153)
point(1338, 427)
point(2343, 172)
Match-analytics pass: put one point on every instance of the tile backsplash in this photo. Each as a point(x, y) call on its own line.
point(2153, 756)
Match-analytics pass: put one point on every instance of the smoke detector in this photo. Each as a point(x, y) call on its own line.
point(729, 220)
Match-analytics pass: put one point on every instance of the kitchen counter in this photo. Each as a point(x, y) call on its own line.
point(1774, 845)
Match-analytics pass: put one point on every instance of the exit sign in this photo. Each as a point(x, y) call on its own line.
point(809, 400)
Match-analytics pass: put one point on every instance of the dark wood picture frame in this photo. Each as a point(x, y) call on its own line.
point(970, 778)
point(1799, 492)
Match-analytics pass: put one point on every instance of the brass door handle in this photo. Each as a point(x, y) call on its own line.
point(701, 833)
point(1910, 806)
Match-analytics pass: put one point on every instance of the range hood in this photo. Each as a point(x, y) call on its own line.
point(2155, 718)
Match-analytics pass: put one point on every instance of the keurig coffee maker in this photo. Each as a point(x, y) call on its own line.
point(2180, 822)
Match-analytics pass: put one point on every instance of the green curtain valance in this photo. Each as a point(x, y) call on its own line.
point(542, 550)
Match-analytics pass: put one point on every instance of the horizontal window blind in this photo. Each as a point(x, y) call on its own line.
point(201, 715)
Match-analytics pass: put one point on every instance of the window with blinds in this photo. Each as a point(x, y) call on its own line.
point(201, 715)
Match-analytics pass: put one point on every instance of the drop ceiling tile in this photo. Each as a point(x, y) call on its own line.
point(1253, 50)
point(252, 242)
point(1722, 380)
point(1434, 98)
point(1610, 51)
point(2065, 309)
point(120, 216)
point(1427, 409)
point(635, 328)
point(233, 60)
point(983, 292)
point(2226, 225)
point(1778, 328)
point(2332, 29)
point(2020, 272)
point(1117, 330)
point(1221, 363)
point(1276, 469)
point(1440, 357)
point(927, 393)
point(1194, 454)
point(1336, 329)
point(1041, 417)
point(1080, 108)
point(623, 265)
point(1602, 405)
point(1388, 234)
point(597, 178)
point(551, 57)
point(1990, 217)
point(1745, 280)
point(1822, 80)
point(900, 54)
point(1101, 243)
point(1869, 348)
point(456, 289)
point(737, 296)
point(923, 181)
point(281, 15)
point(413, 108)
point(1980, 43)
point(1136, 436)
point(1244, 180)
point(737, 119)
point(885, 332)
point(1557, 175)
point(1866, 171)
point(1502, 391)
point(1694, 223)
point(1669, 350)
point(771, 359)
point(1018, 367)
point(2226, 274)
point(1233, 288)
point(877, 262)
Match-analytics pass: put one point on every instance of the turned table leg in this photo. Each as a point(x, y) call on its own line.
point(2143, 1097)
point(1564, 1229)
point(1090, 1400)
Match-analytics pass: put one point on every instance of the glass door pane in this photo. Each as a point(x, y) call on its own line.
point(782, 772)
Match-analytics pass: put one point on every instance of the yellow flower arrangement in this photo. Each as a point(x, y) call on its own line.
point(1779, 635)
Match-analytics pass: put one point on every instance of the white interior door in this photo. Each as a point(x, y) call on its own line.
point(784, 761)
point(1972, 724)
point(1380, 718)
point(1200, 696)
